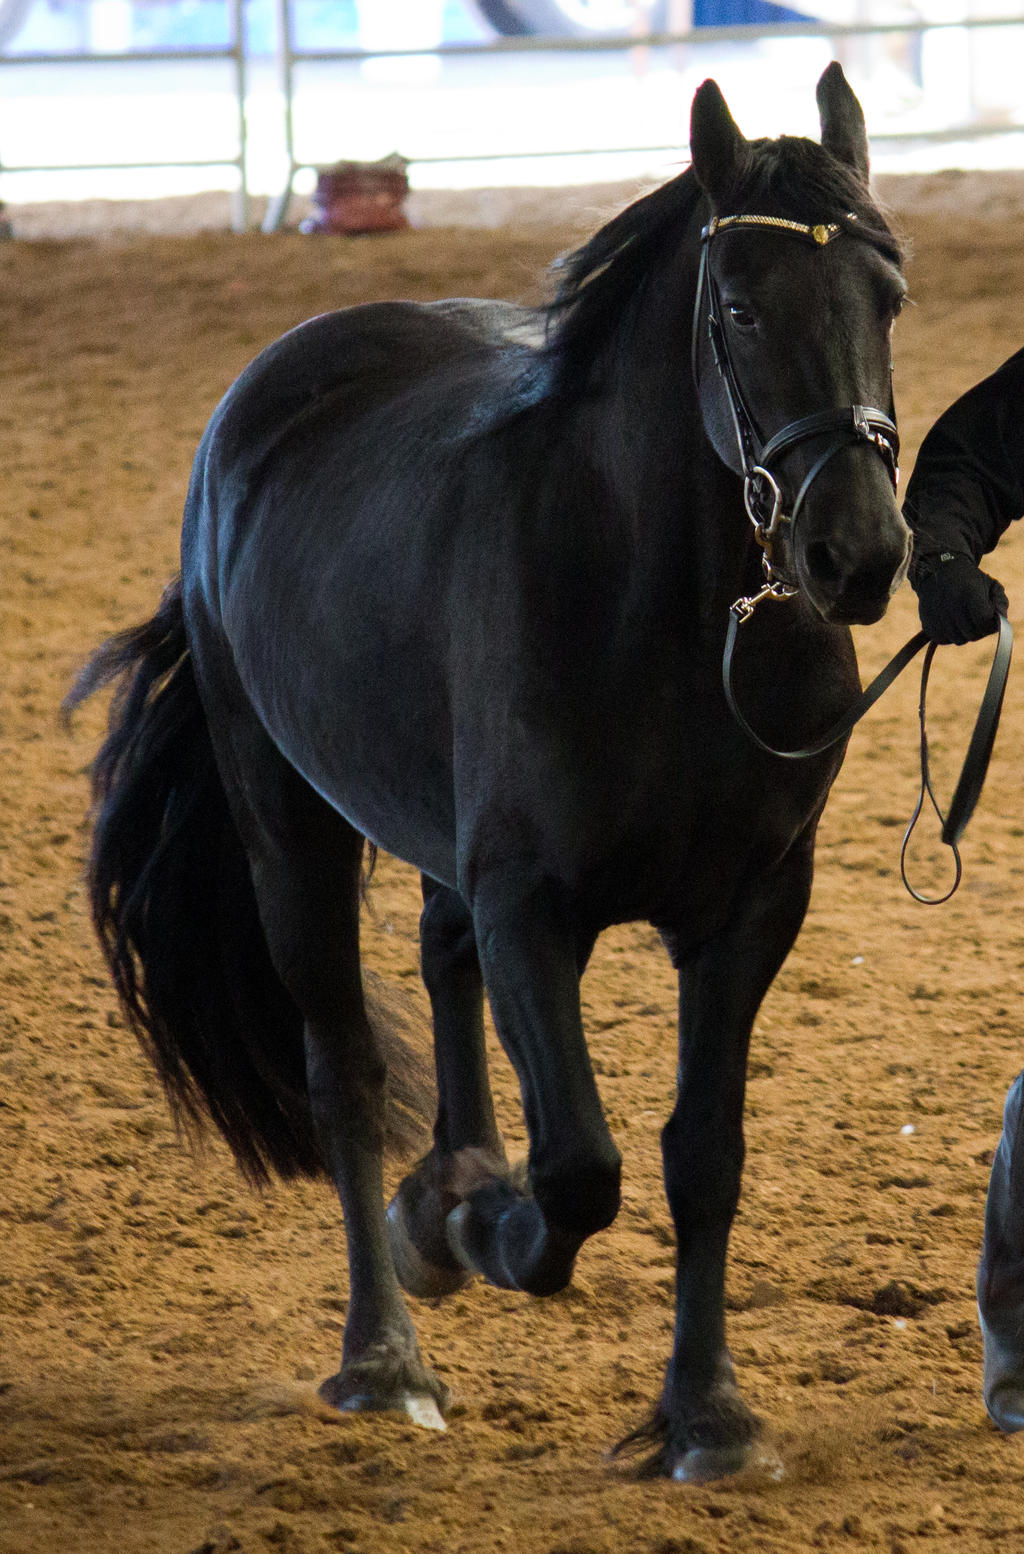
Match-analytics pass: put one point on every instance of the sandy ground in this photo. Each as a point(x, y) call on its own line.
point(162, 1330)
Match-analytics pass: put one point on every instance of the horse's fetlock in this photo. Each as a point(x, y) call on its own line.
point(584, 1198)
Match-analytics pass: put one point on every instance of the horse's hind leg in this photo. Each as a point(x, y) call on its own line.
point(306, 861)
point(465, 1128)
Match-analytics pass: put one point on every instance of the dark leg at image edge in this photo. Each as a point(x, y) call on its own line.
point(1001, 1272)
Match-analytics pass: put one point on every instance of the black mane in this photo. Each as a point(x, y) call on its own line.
point(600, 282)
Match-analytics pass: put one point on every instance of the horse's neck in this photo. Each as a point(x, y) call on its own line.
point(689, 538)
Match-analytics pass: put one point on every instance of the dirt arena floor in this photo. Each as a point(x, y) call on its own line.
point(162, 1330)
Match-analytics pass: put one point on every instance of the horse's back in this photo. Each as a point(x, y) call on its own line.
point(354, 359)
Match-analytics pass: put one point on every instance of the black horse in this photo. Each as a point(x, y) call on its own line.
point(455, 582)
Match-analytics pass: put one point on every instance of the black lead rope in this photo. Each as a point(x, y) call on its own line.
point(972, 776)
point(979, 750)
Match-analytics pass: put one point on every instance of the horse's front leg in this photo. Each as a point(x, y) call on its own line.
point(532, 952)
point(702, 1428)
point(466, 1136)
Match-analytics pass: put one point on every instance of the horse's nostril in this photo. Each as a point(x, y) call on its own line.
point(852, 582)
point(822, 565)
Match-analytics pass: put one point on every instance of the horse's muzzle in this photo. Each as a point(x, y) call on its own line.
point(851, 583)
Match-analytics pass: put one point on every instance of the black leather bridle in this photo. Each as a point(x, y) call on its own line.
point(764, 500)
point(763, 492)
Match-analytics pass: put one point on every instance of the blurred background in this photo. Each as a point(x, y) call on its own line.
point(253, 94)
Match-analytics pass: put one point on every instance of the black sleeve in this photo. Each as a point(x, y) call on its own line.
point(968, 482)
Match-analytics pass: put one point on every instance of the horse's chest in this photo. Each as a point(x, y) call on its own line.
point(671, 803)
point(713, 810)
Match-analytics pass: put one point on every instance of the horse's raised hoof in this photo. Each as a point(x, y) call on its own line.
point(384, 1382)
point(419, 1275)
point(502, 1234)
point(465, 1238)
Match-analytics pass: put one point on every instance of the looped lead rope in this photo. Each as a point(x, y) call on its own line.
point(740, 612)
point(926, 788)
point(972, 775)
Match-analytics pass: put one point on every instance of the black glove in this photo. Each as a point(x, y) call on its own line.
point(957, 601)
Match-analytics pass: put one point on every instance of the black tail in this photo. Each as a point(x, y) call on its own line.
point(174, 907)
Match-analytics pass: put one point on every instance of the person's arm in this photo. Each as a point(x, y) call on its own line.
point(967, 487)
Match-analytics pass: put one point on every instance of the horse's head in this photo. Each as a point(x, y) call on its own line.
point(800, 283)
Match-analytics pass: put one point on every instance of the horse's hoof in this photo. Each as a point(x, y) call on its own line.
point(459, 1232)
point(423, 1411)
point(502, 1236)
point(1004, 1401)
point(455, 1228)
point(704, 1464)
point(380, 1383)
point(421, 1408)
point(416, 1274)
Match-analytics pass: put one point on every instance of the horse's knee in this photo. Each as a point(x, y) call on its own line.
point(580, 1196)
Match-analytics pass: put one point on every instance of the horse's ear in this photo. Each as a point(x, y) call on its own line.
point(719, 150)
point(842, 119)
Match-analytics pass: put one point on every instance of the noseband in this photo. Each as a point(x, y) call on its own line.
point(762, 487)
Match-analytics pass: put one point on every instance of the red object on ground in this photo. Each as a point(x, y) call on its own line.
point(354, 197)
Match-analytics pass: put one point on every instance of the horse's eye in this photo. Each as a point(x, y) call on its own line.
point(741, 316)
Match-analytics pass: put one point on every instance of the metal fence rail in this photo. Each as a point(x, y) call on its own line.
point(233, 52)
point(290, 56)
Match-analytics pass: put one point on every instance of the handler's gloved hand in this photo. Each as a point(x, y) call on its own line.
point(958, 602)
